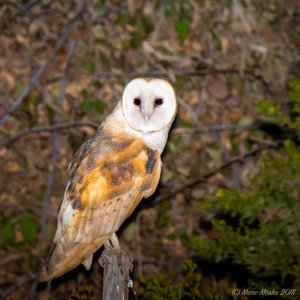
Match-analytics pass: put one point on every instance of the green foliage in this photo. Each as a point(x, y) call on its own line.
point(91, 105)
point(272, 11)
point(7, 232)
point(215, 154)
point(142, 26)
point(294, 95)
point(182, 20)
point(182, 27)
point(89, 66)
point(100, 4)
point(269, 108)
point(18, 231)
point(277, 112)
point(259, 228)
point(183, 123)
point(163, 218)
point(161, 287)
point(191, 287)
point(29, 228)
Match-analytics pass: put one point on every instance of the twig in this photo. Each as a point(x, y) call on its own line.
point(55, 146)
point(21, 282)
point(64, 82)
point(189, 110)
point(139, 246)
point(203, 178)
point(187, 72)
point(57, 127)
point(49, 186)
point(27, 6)
point(181, 72)
point(35, 79)
point(213, 128)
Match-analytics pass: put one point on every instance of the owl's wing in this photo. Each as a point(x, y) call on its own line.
point(107, 179)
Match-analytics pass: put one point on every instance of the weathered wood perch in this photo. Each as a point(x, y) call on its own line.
point(117, 265)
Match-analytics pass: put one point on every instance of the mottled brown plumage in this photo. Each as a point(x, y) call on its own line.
point(107, 179)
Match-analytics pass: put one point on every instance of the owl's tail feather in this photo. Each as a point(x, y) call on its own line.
point(63, 259)
point(43, 275)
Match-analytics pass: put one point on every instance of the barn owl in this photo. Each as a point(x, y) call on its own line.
point(111, 173)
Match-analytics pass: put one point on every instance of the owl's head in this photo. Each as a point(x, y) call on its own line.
point(149, 105)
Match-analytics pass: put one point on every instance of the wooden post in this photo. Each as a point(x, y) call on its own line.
point(117, 265)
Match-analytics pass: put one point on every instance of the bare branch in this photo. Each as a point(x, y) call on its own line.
point(20, 283)
point(49, 186)
point(39, 129)
point(182, 72)
point(189, 110)
point(27, 6)
point(55, 146)
point(177, 131)
point(35, 79)
point(205, 177)
point(214, 128)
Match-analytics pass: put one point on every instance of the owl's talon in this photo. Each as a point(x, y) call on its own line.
point(114, 241)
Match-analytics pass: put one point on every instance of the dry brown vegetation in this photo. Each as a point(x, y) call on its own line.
point(63, 66)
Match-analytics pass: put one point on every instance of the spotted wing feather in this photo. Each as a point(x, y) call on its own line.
point(107, 179)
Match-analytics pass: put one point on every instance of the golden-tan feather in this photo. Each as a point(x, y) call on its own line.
point(107, 179)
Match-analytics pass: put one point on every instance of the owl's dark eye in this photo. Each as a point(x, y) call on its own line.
point(137, 101)
point(158, 101)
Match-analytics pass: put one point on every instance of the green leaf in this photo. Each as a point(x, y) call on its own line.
point(215, 154)
point(246, 121)
point(90, 104)
point(29, 228)
point(171, 237)
point(269, 108)
point(143, 26)
point(182, 27)
point(121, 19)
point(7, 232)
point(89, 66)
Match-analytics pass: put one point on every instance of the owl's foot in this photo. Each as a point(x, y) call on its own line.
point(114, 242)
point(114, 253)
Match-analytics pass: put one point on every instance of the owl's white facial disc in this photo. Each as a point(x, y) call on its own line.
point(149, 106)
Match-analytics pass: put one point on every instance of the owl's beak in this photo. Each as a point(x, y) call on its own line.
point(147, 112)
point(146, 117)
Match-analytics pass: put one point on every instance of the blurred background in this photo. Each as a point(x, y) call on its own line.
point(225, 214)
